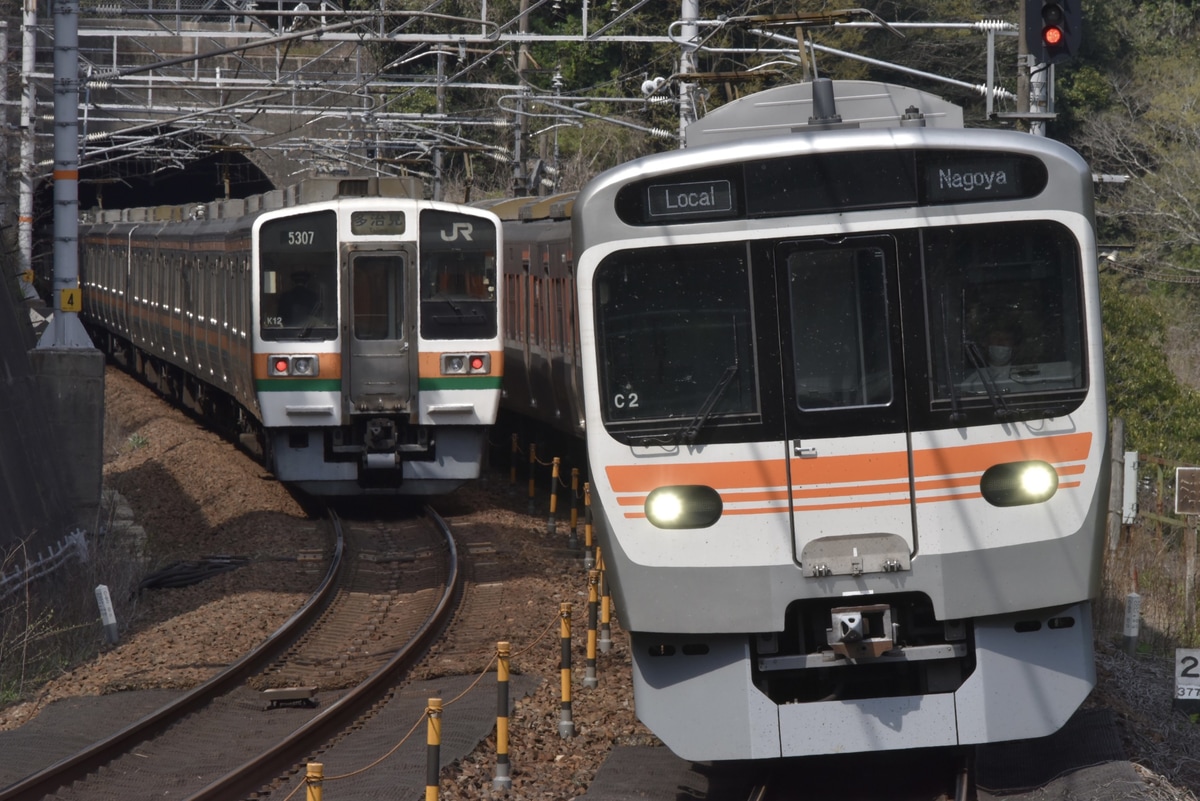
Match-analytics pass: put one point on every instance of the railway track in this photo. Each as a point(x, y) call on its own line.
point(389, 589)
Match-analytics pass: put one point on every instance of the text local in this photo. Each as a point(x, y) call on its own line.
point(682, 200)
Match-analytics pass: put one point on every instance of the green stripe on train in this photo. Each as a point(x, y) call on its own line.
point(298, 384)
point(460, 382)
point(335, 384)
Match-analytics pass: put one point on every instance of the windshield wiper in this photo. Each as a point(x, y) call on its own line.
point(687, 434)
point(985, 376)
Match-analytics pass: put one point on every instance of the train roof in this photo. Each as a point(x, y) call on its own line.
point(310, 190)
point(789, 109)
point(550, 207)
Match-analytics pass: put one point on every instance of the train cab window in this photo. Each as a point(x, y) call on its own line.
point(1004, 305)
point(457, 276)
point(298, 267)
point(839, 323)
point(676, 341)
point(378, 281)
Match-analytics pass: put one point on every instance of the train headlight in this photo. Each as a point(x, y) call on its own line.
point(1019, 483)
point(687, 506)
point(466, 363)
point(306, 366)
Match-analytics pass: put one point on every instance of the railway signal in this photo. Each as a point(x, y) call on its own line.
point(1053, 29)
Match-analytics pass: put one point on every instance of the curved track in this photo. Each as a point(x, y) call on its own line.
point(343, 637)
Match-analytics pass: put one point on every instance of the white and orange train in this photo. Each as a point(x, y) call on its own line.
point(344, 328)
point(841, 376)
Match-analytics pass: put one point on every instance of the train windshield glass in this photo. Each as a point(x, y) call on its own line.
point(675, 337)
point(839, 326)
point(378, 281)
point(1005, 314)
point(458, 276)
point(297, 262)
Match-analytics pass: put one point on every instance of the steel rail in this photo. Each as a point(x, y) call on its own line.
point(43, 783)
point(249, 777)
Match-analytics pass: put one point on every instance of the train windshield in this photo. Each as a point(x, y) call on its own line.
point(675, 337)
point(457, 276)
point(1005, 318)
point(297, 262)
point(840, 341)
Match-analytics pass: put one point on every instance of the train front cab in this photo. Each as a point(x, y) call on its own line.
point(843, 529)
point(379, 364)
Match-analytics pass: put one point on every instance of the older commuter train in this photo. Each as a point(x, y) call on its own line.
point(344, 328)
point(838, 364)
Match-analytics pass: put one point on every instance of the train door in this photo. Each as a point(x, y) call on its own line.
point(382, 370)
point(843, 371)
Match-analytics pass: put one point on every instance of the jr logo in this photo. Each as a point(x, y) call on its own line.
point(463, 228)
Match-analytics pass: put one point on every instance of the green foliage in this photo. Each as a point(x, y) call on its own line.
point(1161, 415)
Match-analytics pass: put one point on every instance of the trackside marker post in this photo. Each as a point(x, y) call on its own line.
point(566, 725)
point(573, 539)
point(107, 615)
point(552, 522)
point(589, 558)
point(433, 753)
point(503, 779)
point(605, 641)
point(590, 680)
point(313, 779)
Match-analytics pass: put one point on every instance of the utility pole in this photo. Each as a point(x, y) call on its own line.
point(28, 129)
point(520, 184)
point(689, 13)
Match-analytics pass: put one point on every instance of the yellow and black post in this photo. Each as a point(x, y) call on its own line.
point(589, 676)
point(433, 753)
point(566, 724)
point(313, 779)
point(589, 558)
point(552, 523)
point(605, 641)
point(572, 536)
point(503, 780)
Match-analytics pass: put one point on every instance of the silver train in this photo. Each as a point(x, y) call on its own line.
point(346, 330)
point(839, 368)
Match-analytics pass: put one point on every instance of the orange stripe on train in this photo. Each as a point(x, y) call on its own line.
point(928, 464)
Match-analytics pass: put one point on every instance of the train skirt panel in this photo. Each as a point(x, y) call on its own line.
point(1018, 676)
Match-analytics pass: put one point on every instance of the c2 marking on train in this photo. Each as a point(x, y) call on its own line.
point(629, 401)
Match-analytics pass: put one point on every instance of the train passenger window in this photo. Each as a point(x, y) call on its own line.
point(1005, 315)
point(839, 322)
point(298, 269)
point(675, 335)
point(378, 281)
point(457, 276)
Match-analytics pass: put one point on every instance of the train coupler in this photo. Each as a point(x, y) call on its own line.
point(861, 632)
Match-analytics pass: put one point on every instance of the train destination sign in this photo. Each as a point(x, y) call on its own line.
point(377, 223)
point(689, 199)
point(949, 180)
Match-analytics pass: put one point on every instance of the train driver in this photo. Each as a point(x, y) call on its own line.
point(300, 302)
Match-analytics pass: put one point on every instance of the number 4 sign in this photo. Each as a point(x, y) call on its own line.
point(1187, 679)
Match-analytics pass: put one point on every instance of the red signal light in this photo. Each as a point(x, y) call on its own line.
point(1052, 36)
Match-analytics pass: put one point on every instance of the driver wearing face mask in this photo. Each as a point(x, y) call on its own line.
point(1000, 348)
